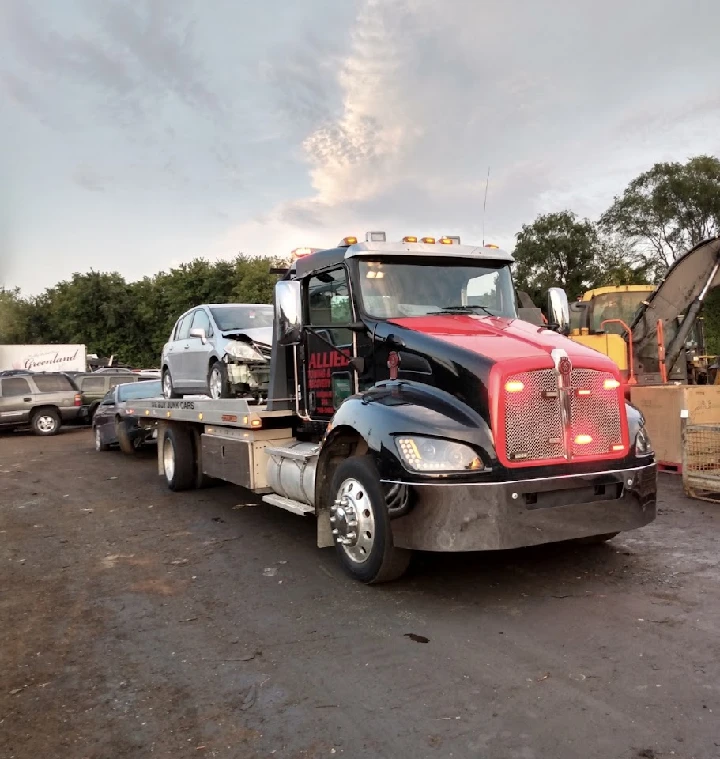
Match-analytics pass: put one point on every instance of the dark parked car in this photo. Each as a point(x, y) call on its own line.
point(96, 385)
point(41, 401)
point(113, 426)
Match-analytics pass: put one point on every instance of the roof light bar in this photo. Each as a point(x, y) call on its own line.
point(409, 238)
point(490, 245)
point(375, 237)
point(428, 240)
point(346, 242)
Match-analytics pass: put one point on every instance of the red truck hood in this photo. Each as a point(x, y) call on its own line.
point(497, 338)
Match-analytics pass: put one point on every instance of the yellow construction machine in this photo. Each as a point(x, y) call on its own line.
point(654, 333)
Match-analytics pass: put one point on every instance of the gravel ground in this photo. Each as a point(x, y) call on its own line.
point(137, 622)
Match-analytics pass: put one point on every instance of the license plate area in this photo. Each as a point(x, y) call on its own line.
point(610, 491)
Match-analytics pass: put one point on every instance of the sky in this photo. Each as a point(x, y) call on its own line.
point(138, 134)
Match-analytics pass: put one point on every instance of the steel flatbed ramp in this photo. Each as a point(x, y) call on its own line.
point(231, 412)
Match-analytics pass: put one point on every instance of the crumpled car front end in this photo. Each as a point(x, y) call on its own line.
point(248, 363)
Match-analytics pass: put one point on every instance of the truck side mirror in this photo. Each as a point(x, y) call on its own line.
point(558, 310)
point(288, 311)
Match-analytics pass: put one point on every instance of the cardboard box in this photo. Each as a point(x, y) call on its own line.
point(662, 404)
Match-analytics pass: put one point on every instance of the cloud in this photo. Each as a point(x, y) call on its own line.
point(216, 131)
point(86, 178)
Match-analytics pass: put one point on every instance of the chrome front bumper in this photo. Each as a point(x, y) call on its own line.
point(492, 516)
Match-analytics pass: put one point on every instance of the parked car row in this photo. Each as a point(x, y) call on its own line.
point(219, 350)
point(44, 401)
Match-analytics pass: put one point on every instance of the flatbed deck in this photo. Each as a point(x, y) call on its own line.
point(228, 412)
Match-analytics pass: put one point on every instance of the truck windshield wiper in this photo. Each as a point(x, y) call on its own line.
point(461, 310)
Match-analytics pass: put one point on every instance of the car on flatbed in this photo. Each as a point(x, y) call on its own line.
point(221, 350)
point(42, 401)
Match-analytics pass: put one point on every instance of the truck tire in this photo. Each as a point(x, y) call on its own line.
point(45, 422)
point(178, 459)
point(202, 480)
point(167, 385)
point(361, 524)
point(127, 445)
point(218, 385)
point(99, 445)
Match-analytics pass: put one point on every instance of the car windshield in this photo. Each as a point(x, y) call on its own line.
point(231, 318)
point(137, 390)
point(392, 290)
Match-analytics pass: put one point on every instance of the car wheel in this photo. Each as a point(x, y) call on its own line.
point(167, 385)
point(45, 422)
point(218, 381)
point(128, 445)
point(99, 445)
point(361, 524)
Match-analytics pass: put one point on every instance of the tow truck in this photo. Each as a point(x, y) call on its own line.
point(411, 408)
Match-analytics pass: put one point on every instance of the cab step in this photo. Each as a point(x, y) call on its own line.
point(289, 505)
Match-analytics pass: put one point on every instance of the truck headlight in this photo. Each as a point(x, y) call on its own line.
point(424, 454)
point(243, 351)
point(643, 446)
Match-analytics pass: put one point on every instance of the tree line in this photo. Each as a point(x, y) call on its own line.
point(660, 214)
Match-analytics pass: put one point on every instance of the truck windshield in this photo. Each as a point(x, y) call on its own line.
point(231, 318)
point(393, 289)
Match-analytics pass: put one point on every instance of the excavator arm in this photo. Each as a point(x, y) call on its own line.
point(682, 291)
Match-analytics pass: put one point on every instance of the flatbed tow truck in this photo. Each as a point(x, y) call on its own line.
point(411, 407)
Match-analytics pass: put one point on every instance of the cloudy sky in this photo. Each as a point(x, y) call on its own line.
point(135, 134)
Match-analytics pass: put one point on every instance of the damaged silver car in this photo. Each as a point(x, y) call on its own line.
point(219, 350)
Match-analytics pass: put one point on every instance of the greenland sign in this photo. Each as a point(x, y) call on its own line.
point(43, 358)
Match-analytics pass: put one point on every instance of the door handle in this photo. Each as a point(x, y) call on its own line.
point(187, 347)
point(27, 400)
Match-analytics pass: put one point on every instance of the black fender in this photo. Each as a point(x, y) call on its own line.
point(376, 417)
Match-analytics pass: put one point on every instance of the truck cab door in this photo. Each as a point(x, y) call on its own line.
point(328, 344)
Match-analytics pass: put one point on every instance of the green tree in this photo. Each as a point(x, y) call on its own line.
point(667, 210)
point(557, 250)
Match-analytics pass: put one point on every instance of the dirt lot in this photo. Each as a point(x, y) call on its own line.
point(137, 622)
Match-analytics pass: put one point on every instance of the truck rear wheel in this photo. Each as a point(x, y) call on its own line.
point(361, 524)
point(178, 459)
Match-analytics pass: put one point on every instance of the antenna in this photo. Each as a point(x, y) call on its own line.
point(487, 183)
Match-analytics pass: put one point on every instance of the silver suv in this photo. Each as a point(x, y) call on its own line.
point(219, 350)
point(40, 401)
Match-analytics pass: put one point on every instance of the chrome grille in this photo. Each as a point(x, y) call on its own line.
point(533, 423)
point(596, 414)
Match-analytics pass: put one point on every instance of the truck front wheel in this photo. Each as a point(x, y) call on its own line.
point(361, 524)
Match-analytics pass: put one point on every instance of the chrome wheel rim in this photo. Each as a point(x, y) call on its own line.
point(98, 441)
point(46, 423)
point(353, 521)
point(215, 384)
point(167, 385)
point(169, 460)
